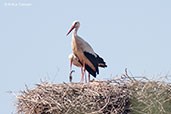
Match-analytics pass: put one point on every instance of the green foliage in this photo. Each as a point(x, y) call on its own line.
point(150, 98)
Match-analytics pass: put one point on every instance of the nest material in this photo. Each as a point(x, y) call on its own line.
point(75, 98)
point(135, 95)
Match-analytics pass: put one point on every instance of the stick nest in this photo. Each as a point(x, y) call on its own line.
point(76, 98)
point(117, 96)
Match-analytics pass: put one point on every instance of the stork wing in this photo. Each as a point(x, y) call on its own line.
point(100, 61)
point(93, 60)
point(89, 69)
point(85, 46)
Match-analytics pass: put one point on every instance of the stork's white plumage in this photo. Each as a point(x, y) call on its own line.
point(75, 61)
point(84, 52)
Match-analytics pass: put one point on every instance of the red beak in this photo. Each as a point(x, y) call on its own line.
point(70, 30)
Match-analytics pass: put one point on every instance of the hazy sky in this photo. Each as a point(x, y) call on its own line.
point(133, 34)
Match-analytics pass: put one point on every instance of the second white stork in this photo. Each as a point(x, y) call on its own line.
point(84, 52)
point(75, 61)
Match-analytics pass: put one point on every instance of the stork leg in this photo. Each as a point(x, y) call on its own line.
point(83, 69)
point(85, 78)
point(82, 75)
point(88, 77)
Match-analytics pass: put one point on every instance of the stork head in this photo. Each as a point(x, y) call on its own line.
point(71, 56)
point(75, 24)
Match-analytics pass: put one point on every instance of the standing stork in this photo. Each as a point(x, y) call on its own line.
point(84, 52)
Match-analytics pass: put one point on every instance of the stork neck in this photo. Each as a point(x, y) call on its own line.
point(75, 31)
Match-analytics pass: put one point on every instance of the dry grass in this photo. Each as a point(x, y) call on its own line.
point(117, 96)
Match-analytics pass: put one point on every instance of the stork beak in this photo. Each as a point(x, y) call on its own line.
point(70, 30)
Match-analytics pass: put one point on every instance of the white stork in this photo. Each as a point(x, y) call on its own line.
point(84, 52)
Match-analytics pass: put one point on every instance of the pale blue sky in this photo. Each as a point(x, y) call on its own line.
point(133, 34)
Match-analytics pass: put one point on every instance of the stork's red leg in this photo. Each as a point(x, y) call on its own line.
point(88, 77)
point(85, 78)
point(81, 69)
point(84, 68)
point(82, 74)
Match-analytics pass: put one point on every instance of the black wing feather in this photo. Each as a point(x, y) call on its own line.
point(100, 61)
point(93, 60)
